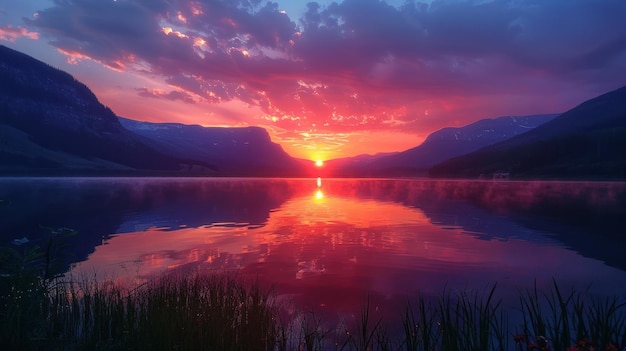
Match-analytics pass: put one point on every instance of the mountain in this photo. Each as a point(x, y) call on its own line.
point(586, 142)
point(360, 165)
point(439, 146)
point(50, 123)
point(246, 151)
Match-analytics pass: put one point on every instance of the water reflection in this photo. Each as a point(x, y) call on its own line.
point(319, 195)
point(330, 242)
point(330, 248)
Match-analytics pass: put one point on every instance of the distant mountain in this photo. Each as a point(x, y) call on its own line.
point(50, 123)
point(353, 166)
point(588, 141)
point(246, 151)
point(439, 146)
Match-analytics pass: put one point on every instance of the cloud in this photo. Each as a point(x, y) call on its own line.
point(172, 95)
point(11, 34)
point(353, 65)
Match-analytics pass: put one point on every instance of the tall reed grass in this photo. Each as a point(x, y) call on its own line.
point(203, 311)
point(572, 320)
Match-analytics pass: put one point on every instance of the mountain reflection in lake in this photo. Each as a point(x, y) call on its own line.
point(328, 244)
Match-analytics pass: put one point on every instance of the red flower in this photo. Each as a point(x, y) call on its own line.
point(610, 347)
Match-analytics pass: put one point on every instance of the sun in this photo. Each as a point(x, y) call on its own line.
point(319, 163)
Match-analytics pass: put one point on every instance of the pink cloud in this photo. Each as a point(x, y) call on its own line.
point(11, 34)
point(171, 95)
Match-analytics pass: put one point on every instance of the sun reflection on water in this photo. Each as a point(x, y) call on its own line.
point(349, 235)
point(319, 195)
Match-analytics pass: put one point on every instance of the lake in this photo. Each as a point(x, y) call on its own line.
point(332, 244)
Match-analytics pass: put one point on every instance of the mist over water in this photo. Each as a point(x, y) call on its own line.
point(330, 244)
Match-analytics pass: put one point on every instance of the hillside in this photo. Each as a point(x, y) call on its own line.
point(438, 147)
point(586, 142)
point(52, 124)
point(246, 151)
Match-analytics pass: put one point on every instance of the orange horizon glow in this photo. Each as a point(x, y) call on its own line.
point(340, 145)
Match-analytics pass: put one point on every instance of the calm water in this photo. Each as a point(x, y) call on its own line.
point(328, 244)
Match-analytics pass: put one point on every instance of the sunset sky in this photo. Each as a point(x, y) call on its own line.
point(329, 79)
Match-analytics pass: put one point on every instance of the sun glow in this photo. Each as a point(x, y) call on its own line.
point(319, 194)
point(319, 163)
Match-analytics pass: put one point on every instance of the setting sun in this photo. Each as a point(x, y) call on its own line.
point(319, 163)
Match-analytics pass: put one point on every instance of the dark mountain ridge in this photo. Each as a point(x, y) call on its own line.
point(439, 146)
point(53, 123)
point(234, 151)
point(586, 142)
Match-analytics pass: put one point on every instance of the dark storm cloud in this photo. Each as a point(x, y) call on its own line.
point(364, 32)
point(354, 63)
point(553, 36)
point(112, 32)
point(565, 37)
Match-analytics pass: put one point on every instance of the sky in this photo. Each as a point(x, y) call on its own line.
point(329, 79)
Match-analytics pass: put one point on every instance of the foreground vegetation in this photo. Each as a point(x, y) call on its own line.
point(196, 311)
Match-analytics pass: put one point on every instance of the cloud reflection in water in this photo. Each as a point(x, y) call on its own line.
point(332, 247)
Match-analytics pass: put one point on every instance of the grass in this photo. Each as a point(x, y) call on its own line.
point(173, 312)
point(572, 320)
point(202, 311)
